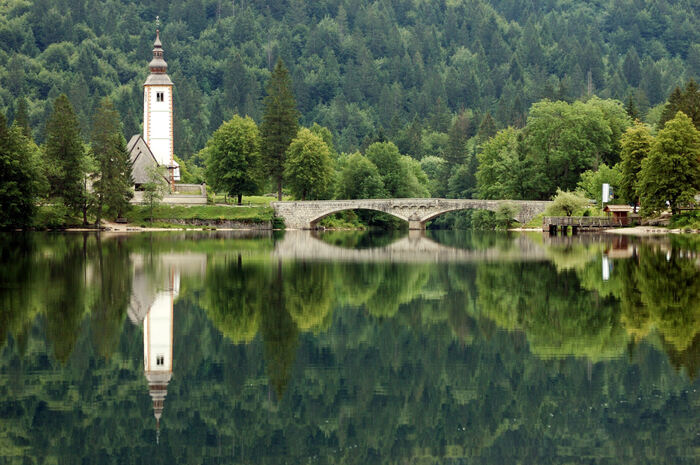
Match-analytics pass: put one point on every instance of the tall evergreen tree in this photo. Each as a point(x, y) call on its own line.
point(22, 118)
point(65, 157)
point(112, 179)
point(686, 100)
point(18, 178)
point(457, 142)
point(280, 123)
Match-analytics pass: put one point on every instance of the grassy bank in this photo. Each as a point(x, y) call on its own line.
point(162, 213)
point(164, 216)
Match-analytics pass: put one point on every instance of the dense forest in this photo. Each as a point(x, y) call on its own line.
point(368, 70)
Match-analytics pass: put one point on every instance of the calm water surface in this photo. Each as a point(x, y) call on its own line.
point(348, 348)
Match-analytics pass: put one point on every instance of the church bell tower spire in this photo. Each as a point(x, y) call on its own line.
point(158, 109)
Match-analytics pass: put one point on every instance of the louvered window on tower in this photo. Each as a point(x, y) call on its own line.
point(159, 96)
point(160, 360)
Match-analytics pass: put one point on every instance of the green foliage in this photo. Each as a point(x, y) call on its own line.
point(65, 158)
point(686, 101)
point(112, 185)
point(360, 179)
point(308, 170)
point(155, 189)
point(401, 175)
point(591, 182)
point(19, 177)
point(497, 158)
point(636, 143)
point(671, 172)
point(280, 123)
point(565, 140)
point(567, 203)
point(233, 158)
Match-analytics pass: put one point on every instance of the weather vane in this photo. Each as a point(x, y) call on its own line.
point(157, 22)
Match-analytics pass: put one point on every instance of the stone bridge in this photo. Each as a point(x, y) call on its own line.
point(417, 212)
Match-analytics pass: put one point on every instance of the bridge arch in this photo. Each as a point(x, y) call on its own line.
point(314, 221)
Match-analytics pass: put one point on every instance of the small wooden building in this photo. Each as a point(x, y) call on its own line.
point(622, 214)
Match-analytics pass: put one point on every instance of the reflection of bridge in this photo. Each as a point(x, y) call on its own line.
point(305, 215)
point(414, 248)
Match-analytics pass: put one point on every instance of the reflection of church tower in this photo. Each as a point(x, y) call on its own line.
point(157, 340)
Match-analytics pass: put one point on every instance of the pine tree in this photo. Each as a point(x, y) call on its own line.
point(457, 142)
point(22, 118)
point(280, 123)
point(687, 101)
point(112, 178)
point(487, 128)
point(65, 157)
point(19, 176)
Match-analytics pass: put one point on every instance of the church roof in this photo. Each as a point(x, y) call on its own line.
point(141, 159)
point(158, 80)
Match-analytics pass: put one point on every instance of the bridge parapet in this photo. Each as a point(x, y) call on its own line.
point(305, 214)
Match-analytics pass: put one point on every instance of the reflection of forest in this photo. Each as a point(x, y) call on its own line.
point(350, 362)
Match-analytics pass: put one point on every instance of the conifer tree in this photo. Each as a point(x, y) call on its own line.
point(686, 100)
point(487, 129)
point(19, 176)
point(112, 178)
point(65, 157)
point(280, 123)
point(22, 118)
point(458, 134)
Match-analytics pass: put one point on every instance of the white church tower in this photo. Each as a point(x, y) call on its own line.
point(158, 112)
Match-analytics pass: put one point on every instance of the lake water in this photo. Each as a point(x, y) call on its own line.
point(352, 348)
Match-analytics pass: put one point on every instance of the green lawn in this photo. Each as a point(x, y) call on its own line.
point(256, 214)
point(248, 200)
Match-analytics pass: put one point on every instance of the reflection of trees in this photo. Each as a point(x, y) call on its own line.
point(114, 279)
point(20, 275)
point(234, 295)
point(309, 294)
point(670, 290)
point(558, 316)
point(280, 335)
point(65, 297)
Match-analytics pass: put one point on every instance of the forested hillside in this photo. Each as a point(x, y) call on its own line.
point(368, 70)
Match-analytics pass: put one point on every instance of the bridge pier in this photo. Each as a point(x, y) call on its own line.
point(416, 225)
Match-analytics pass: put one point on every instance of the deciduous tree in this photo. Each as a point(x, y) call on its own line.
point(308, 169)
point(233, 158)
point(670, 175)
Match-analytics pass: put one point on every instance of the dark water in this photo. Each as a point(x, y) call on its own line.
point(349, 348)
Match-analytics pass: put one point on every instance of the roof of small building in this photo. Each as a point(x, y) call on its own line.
point(618, 208)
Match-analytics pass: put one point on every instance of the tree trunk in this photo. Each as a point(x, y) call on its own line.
point(240, 199)
point(279, 189)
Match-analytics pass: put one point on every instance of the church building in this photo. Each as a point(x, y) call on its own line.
point(155, 146)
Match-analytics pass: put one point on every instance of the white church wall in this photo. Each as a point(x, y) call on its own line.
point(158, 130)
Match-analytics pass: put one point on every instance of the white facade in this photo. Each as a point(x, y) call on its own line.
point(158, 122)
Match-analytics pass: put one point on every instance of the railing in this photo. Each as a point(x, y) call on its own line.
point(584, 222)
